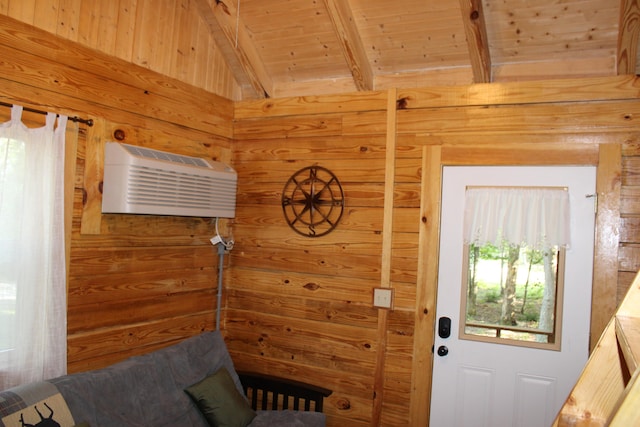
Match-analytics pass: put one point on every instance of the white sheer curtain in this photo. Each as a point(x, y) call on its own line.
point(537, 217)
point(32, 251)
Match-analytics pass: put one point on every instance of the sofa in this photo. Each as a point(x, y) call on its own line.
point(191, 384)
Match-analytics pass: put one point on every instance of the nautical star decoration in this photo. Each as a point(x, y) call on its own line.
point(313, 201)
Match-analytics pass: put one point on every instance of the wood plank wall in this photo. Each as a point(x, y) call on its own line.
point(298, 307)
point(135, 31)
point(302, 307)
point(136, 283)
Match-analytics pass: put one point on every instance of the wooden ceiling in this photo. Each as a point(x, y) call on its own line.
point(279, 48)
point(252, 49)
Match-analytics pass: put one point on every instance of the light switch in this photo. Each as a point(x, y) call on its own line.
point(383, 297)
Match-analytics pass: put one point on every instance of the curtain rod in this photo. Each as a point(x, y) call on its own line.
point(88, 122)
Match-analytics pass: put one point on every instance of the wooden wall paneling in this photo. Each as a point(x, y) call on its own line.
point(325, 147)
point(336, 306)
point(588, 138)
point(95, 350)
point(136, 283)
point(138, 271)
point(318, 104)
point(130, 89)
point(364, 122)
point(149, 42)
point(299, 282)
point(629, 229)
point(356, 245)
point(343, 347)
point(138, 127)
point(319, 352)
point(45, 14)
point(607, 239)
point(402, 317)
point(281, 170)
point(125, 31)
point(98, 25)
point(134, 31)
point(360, 195)
point(551, 119)
point(628, 257)
point(629, 262)
point(109, 287)
point(522, 92)
point(426, 138)
point(324, 284)
point(68, 19)
point(629, 199)
point(91, 317)
point(627, 47)
point(352, 124)
point(21, 10)
point(290, 127)
point(519, 153)
point(312, 261)
point(187, 44)
point(406, 220)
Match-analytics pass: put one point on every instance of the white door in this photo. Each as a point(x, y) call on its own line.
point(493, 384)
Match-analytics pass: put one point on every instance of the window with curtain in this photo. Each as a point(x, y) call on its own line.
point(514, 243)
point(32, 250)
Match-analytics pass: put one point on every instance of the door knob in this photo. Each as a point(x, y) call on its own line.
point(443, 350)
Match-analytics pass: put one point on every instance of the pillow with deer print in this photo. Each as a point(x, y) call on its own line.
point(34, 405)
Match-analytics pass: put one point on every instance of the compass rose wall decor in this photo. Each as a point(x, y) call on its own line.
point(313, 201)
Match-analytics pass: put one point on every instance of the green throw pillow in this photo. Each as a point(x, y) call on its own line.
point(220, 402)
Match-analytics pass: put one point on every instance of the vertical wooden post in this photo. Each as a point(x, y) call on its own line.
point(385, 268)
point(93, 173)
point(607, 239)
point(427, 282)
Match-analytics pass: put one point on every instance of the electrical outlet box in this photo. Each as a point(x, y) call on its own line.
point(383, 297)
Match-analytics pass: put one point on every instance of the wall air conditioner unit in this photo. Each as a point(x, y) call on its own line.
point(140, 180)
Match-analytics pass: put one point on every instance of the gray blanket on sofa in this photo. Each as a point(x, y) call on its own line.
point(148, 390)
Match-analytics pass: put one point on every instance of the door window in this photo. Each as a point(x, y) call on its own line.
point(511, 282)
point(512, 294)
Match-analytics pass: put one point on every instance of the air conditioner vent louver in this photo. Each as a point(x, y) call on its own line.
point(161, 155)
point(144, 181)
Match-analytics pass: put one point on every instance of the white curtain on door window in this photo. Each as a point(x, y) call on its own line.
point(32, 252)
point(537, 217)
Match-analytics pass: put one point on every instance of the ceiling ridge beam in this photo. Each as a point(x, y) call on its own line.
point(628, 32)
point(235, 45)
point(477, 40)
point(351, 43)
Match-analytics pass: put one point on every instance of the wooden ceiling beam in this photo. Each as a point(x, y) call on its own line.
point(236, 46)
point(477, 40)
point(628, 33)
point(351, 43)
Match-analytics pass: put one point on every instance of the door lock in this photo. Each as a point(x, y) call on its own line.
point(444, 327)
